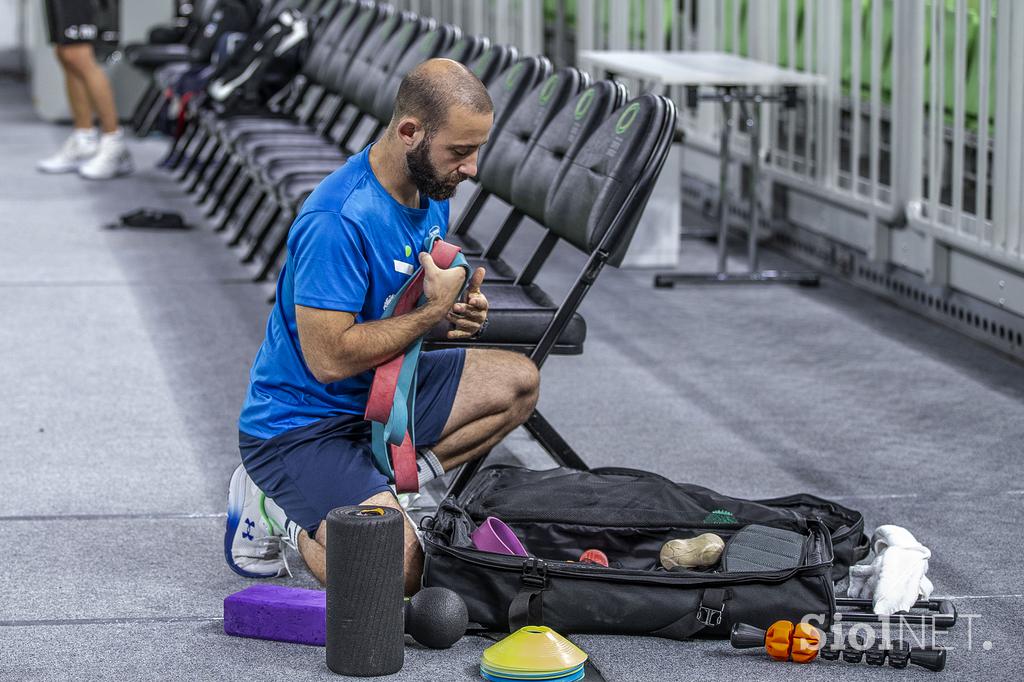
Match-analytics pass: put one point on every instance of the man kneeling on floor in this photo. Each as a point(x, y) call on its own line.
point(305, 445)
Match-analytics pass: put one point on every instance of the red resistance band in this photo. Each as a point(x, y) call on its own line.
point(385, 379)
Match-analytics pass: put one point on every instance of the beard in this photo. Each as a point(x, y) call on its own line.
point(425, 176)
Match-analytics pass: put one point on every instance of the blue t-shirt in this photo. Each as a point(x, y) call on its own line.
point(351, 247)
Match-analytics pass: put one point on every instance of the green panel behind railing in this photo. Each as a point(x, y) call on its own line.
point(972, 68)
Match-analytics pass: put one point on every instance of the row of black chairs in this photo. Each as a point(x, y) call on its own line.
point(578, 158)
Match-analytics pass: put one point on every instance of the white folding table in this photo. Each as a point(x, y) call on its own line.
point(730, 79)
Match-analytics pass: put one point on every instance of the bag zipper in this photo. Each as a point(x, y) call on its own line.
point(674, 524)
point(518, 565)
point(785, 501)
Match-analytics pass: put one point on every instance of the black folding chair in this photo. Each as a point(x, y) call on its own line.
point(594, 204)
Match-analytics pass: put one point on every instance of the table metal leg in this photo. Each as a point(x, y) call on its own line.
point(752, 275)
point(753, 123)
point(723, 183)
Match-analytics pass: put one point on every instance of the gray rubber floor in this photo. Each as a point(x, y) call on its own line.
point(123, 362)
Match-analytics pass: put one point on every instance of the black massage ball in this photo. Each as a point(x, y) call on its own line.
point(436, 617)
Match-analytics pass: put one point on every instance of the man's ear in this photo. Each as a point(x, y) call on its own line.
point(409, 131)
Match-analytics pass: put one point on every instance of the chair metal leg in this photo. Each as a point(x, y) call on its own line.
point(246, 220)
point(203, 167)
point(187, 150)
point(221, 194)
point(261, 235)
point(225, 158)
point(545, 435)
point(276, 249)
point(235, 203)
point(194, 159)
point(151, 115)
point(149, 95)
point(178, 145)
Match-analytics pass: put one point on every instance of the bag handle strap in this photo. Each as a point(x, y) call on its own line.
point(708, 614)
point(527, 607)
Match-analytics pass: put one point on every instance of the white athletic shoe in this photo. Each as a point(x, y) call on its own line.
point(111, 159)
point(257, 531)
point(80, 146)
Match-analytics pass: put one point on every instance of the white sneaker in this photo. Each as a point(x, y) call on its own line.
point(80, 146)
point(256, 531)
point(111, 160)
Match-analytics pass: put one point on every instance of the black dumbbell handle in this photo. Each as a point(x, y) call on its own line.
point(745, 636)
point(943, 614)
point(931, 659)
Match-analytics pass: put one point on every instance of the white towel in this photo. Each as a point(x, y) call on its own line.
point(896, 578)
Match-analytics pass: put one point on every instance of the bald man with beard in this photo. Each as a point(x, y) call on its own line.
point(304, 443)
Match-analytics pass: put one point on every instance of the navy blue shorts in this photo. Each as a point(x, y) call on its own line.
point(310, 470)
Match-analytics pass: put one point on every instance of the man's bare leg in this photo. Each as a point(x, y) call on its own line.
point(78, 99)
point(79, 60)
point(498, 392)
point(314, 551)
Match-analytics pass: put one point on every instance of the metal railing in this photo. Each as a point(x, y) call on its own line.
point(923, 113)
point(922, 117)
point(511, 22)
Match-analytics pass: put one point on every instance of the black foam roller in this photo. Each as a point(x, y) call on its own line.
point(365, 579)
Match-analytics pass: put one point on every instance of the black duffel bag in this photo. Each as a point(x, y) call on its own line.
point(629, 515)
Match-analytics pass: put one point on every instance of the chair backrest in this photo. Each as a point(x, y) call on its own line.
point(370, 49)
point(428, 45)
point(325, 39)
point(362, 28)
point(603, 190)
point(492, 62)
point(509, 88)
point(371, 70)
point(467, 48)
point(561, 140)
point(509, 144)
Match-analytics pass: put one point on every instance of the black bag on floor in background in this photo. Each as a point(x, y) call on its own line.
point(629, 515)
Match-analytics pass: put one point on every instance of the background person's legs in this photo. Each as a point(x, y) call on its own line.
point(78, 100)
point(85, 77)
point(112, 158)
point(83, 142)
point(72, 27)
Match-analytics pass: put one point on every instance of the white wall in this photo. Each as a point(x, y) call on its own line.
point(10, 20)
point(11, 13)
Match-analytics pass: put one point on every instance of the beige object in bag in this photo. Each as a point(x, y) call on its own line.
point(699, 552)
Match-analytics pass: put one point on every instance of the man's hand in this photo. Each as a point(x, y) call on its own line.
point(441, 287)
point(469, 316)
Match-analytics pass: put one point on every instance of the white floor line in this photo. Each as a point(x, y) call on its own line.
point(114, 517)
point(897, 496)
point(988, 596)
point(900, 496)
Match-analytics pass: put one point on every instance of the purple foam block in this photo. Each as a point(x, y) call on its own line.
point(284, 614)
